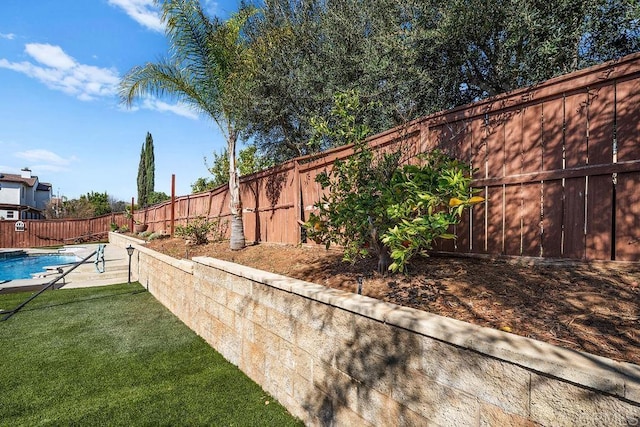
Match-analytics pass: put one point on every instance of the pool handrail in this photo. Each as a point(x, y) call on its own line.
point(48, 285)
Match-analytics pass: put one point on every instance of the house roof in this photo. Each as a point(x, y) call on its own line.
point(43, 186)
point(10, 177)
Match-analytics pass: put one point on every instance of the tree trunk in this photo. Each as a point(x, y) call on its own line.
point(384, 260)
point(237, 240)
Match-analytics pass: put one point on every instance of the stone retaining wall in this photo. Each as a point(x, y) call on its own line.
point(337, 358)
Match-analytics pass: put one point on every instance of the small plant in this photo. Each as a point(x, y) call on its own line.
point(424, 202)
point(114, 226)
point(124, 229)
point(154, 236)
point(200, 229)
point(375, 206)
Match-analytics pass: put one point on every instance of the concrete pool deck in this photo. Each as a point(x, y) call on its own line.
point(115, 269)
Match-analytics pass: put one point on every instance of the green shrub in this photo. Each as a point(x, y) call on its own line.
point(200, 229)
point(374, 206)
point(156, 235)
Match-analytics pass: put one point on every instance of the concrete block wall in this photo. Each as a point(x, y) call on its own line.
point(336, 358)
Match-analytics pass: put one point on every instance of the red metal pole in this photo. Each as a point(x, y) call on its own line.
point(173, 202)
point(131, 221)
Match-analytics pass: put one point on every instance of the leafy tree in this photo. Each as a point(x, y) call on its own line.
point(99, 202)
point(80, 208)
point(204, 71)
point(375, 206)
point(248, 163)
point(86, 206)
point(117, 205)
point(410, 58)
point(202, 184)
point(156, 197)
point(146, 172)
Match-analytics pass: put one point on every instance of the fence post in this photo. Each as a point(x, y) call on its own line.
point(297, 196)
point(131, 220)
point(173, 202)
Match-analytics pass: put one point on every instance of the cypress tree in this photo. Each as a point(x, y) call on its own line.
point(146, 172)
point(150, 168)
point(142, 178)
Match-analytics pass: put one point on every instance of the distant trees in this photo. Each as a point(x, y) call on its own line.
point(156, 197)
point(87, 205)
point(146, 172)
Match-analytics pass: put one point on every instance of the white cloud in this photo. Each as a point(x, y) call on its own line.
point(49, 55)
point(180, 109)
point(51, 160)
point(59, 71)
point(144, 12)
point(210, 7)
point(9, 36)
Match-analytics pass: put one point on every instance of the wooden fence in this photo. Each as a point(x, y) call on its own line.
point(38, 233)
point(559, 165)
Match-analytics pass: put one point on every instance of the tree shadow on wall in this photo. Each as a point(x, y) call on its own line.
point(275, 184)
point(359, 371)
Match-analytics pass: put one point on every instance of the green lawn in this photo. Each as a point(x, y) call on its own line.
point(115, 356)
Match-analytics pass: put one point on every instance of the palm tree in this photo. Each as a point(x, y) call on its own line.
point(204, 70)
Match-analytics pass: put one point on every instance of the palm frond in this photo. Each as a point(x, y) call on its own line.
point(166, 79)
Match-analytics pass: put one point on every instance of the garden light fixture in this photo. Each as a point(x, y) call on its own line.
point(130, 252)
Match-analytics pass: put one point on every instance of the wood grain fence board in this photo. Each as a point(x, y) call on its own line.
point(512, 220)
point(495, 220)
point(601, 125)
point(575, 134)
point(599, 218)
point(495, 146)
point(462, 232)
point(438, 137)
point(478, 150)
point(532, 139)
point(553, 134)
point(513, 148)
point(628, 217)
point(628, 119)
point(531, 212)
point(552, 217)
point(574, 218)
point(479, 229)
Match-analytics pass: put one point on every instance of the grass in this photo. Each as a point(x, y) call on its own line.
point(115, 356)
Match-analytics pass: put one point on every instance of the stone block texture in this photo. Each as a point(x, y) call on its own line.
point(334, 358)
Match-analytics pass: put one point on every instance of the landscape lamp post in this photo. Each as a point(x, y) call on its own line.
point(130, 252)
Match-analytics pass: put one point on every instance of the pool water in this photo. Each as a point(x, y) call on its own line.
point(23, 267)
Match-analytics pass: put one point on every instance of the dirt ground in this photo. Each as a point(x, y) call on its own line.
point(592, 307)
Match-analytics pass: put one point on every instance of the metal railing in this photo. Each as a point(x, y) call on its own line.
point(9, 313)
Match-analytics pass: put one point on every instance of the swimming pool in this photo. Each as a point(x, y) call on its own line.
point(24, 266)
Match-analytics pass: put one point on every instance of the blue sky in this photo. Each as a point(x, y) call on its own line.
point(60, 64)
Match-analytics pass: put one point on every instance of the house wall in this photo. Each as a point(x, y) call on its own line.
point(10, 193)
point(9, 214)
point(42, 198)
point(337, 358)
point(28, 195)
